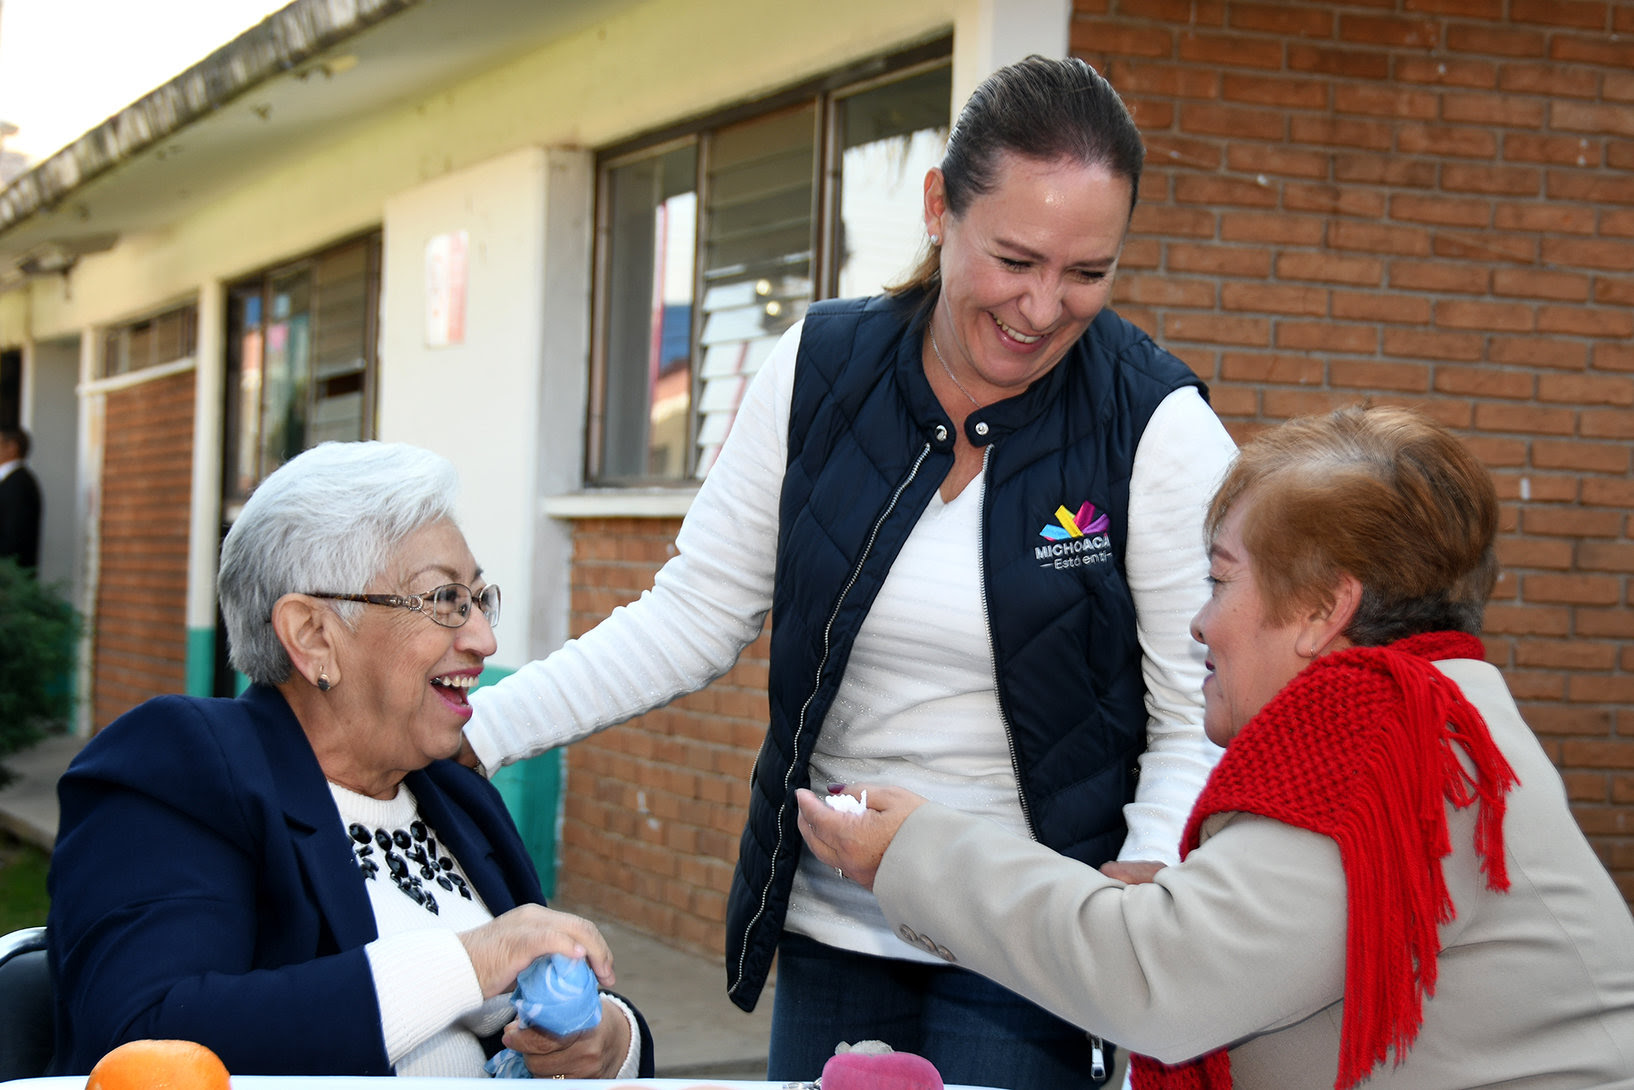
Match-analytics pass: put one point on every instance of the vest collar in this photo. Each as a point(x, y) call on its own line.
point(989, 423)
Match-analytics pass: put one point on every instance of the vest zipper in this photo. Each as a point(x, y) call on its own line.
point(799, 728)
point(993, 651)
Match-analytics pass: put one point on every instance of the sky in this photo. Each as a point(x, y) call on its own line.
point(68, 65)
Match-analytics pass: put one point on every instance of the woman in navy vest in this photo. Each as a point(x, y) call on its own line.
point(974, 510)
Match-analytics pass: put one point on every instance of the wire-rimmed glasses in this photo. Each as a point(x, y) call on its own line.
point(448, 605)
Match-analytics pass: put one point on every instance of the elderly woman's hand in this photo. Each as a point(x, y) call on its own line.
point(1133, 871)
point(507, 944)
point(855, 843)
point(596, 1053)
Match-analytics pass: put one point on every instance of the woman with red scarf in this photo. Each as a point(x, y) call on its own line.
point(1381, 882)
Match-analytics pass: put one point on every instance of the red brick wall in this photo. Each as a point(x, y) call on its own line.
point(1436, 208)
point(653, 808)
point(1433, 208)
point(141, 602)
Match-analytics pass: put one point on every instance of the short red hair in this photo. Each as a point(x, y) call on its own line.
point(1383, 494)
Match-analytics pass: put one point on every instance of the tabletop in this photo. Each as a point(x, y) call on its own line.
point(358, 1082)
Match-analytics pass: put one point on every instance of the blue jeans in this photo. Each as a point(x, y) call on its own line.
point(973, 1030)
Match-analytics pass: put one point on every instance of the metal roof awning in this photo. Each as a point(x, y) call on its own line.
point(297, 80)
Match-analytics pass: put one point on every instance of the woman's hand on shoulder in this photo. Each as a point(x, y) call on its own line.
point(468, 756)
point(595, 1053)
point(507, 944)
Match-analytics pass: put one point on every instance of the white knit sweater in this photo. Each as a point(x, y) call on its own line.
point(710, 600)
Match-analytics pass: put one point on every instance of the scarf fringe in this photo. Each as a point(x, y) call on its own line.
point(1364, 746)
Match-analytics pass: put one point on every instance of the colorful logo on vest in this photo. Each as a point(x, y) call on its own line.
point(1075, 539)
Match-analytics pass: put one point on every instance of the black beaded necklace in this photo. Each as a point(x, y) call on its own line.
point(411, 859)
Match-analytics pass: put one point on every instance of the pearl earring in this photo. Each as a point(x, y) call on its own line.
point(936, 240)
point(323, 683)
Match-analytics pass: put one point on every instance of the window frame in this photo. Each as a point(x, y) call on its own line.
point(822, 94)
point(114, 354)
point(260, 282)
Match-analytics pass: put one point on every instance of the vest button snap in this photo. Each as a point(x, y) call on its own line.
point(981, 427)
point(941, 433)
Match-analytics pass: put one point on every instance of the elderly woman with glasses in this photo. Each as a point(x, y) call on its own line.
point(300, 878)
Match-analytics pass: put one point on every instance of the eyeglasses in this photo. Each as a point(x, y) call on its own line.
point(448, 605)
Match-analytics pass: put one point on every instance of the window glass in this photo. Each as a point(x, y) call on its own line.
point(285, 370)
point(757, 258)
point(889, 137)
point(243, 408)
point(301, 346)
point(651, 236)
point(135, 346)
point(341, 341)
point(750, 218)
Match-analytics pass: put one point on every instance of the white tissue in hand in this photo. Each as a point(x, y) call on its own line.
point(845, 804)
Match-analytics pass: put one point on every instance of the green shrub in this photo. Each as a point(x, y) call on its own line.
point(38, 633)
point(23, 898)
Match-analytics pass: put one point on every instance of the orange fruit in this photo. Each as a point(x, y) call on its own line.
point(159, 1065)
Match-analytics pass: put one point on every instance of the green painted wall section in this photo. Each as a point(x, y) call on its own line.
point(201, 661)
point(532, 791)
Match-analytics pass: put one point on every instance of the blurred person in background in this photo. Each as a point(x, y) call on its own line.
point(20, 505)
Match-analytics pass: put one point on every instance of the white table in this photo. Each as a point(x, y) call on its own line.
point(357, 1082)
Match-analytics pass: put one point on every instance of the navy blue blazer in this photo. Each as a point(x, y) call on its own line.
point(20, 517)
point(203, 888)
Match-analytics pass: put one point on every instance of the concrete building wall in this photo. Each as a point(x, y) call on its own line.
point(646, 67)
point(474, 152)
point(476, 400)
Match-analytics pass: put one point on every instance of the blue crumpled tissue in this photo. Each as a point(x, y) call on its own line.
point(557, 994)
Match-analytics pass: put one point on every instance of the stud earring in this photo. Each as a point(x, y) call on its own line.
point(936, 240)
point(323, 683)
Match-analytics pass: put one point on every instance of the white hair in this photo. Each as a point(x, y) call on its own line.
point(328, 520)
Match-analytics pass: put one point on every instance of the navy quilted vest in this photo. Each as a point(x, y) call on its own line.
point(869, 445)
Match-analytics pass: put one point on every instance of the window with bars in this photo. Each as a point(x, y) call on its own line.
point(713, 240)
point(163, 338)
point(301, 351)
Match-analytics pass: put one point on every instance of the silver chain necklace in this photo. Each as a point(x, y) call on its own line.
point(934, 347)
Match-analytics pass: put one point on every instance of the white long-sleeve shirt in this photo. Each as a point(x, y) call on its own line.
point(710, 601)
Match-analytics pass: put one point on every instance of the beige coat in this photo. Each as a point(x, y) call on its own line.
point(1245, 941)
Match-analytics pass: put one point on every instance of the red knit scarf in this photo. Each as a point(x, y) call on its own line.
point(1363, 747)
